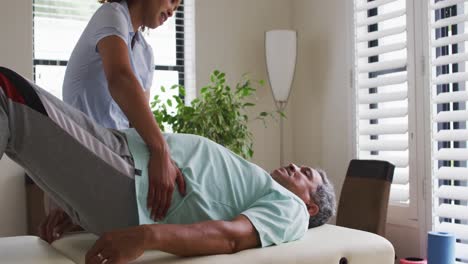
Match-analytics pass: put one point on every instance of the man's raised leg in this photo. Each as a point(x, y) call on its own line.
point(84, 173)
point(4, 129)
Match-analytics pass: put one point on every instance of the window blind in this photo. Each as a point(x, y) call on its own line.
point(449, 56)
point(58, 24)
point(381, 82)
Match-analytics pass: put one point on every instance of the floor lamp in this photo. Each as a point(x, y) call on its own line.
point(281, 53)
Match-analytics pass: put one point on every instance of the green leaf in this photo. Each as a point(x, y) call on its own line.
point(163, 89)
point(178, 100)
point(169, 102)
point(248, 105)
point(182, 91)
point(204, 90)
point(262, 82)
point(175, 86)
point(220, 118)
point(263, 114)
point(245, 92)
point(251, 152)
point(216, 73)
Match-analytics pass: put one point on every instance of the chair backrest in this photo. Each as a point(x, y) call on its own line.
point(365, 196)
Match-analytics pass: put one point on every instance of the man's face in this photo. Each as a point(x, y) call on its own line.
point(156, 12)
point(299, 180)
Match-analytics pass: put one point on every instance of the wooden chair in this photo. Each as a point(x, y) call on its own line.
point(365, 196)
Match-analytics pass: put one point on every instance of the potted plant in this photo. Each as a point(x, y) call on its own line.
point(218, 114)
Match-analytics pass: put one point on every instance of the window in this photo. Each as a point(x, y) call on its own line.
point(449, 56)
point(388, 90)
point(59, 23)
point(387, 49)
point(382, 89)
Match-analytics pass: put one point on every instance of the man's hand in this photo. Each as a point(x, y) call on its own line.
point(163, 174)
point(118, 247)
point(55, 225)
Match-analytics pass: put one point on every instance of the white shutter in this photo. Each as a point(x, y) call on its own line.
point(190, 59)
point(382, 87)
point(449, 74)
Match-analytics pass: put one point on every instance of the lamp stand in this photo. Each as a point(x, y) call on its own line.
point(281, 106)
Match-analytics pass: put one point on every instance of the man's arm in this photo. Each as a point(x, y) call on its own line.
point(204, 238)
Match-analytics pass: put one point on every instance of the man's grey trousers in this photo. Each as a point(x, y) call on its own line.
point(85, 168)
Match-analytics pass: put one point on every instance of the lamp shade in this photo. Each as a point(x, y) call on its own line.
point(281, 52)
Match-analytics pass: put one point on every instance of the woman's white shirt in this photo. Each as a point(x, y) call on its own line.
point(85, 86)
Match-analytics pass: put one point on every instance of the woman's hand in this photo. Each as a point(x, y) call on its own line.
point(163, 175)
point(55, 225)
point(118, 247)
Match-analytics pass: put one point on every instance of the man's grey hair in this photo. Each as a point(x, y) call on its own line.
point(324, 197)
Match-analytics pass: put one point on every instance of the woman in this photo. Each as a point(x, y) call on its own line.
point(108, 77)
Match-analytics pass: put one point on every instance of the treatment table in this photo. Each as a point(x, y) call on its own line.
point(327, 244)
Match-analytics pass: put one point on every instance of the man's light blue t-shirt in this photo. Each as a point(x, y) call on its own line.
point(85, 86)
point(220, 186)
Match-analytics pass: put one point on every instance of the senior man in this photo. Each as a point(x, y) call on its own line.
point(99, 178)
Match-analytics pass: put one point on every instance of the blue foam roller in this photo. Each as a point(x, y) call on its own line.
point(440, 248)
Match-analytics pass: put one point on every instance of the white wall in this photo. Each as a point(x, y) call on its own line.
point(16, 53)
point(320, 97)
point(230, 37)
point(321, 91)
point(322, 126)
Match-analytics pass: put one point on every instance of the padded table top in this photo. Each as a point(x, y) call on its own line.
point(29, 249)
point(323, 245)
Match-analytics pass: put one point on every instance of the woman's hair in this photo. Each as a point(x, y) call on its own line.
point(324, 197)
point(109, 1)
